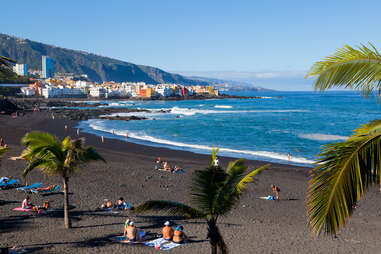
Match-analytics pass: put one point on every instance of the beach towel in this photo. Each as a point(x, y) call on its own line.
point(164, 244)
point(29, 187)
point(268, 198)
point(22, 209)
point(16, 250)
point(56, 188)
point(123, 239)
point(111, 210)
point(9, 183)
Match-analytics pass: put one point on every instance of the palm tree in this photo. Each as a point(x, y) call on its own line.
point(214, 193)
point(345, 169)
point(54, 158)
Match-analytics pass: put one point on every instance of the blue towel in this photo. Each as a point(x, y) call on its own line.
point(10, 182)
point(33, 186)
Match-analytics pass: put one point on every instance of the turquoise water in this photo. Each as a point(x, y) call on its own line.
point(265, 129)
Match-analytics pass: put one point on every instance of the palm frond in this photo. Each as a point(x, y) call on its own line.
point(356, 68)
point(41, 143)
point(241, 186)
point(205, 186)
point(225, 197)
point(345, 171)
point(3, 150)
point(172, 207)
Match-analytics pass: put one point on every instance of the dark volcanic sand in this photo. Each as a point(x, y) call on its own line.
point(254, 226)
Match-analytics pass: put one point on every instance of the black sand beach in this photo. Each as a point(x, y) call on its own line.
point(254, 226)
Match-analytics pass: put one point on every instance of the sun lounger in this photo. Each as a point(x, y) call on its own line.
point(29, 187)
point(123, 239)
point(55, 189)
point(164, 244)
point(9, 183)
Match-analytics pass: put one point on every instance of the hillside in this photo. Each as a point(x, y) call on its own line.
point(98, 68)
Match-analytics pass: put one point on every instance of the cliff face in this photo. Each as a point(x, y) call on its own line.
point(98, 68)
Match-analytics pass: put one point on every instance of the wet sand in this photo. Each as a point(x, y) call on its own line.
point(254, 226)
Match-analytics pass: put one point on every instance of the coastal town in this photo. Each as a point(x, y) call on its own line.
point(68, 85)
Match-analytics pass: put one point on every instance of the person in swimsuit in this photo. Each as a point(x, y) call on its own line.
point(178, 235)
point(167, 231)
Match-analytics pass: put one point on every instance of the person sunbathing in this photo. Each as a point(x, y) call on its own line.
point(26, 204)
point(166, 166)
point(179, 235)
point(49, 188)
point(126, 224)
point(177, 169)
point(121, 204)
point(107, 204)
point(167, 231)
point(132, 232)
point(41, 209)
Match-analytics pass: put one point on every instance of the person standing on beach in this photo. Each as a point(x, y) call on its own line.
point(276, 191)
point(65, 127)
point(289, 157)
point(77, 132)
point(103, 139)
point(126, 135)
point(216, 162)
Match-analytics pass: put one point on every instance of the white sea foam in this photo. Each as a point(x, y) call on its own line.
point(223, 106)
point(97, 125)
point(322, 137)
point(191, 111)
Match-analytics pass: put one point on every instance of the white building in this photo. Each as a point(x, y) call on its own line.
point(52, 92)
point(28, 91)
point(97, 92)
point(164, 90)
point(21, 69)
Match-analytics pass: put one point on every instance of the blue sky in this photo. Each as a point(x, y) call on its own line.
point(200, 37)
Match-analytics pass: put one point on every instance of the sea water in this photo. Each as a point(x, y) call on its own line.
point(268, 129)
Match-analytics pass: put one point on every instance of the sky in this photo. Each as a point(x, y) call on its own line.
point(262, 39)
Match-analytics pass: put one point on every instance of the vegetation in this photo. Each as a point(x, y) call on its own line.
point(97, 68)
point(214, 193)
point(345, 169)
point(54, 158)
point(3, 150)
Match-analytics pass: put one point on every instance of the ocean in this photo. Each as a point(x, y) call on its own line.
point(268, 129)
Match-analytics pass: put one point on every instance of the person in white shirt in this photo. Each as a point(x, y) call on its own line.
point(26, 203)
point(216, 162)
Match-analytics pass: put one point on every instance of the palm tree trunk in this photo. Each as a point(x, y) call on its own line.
point(66, 203)
point(215, 238)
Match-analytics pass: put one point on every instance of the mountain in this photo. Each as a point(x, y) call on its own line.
point(231, 85)
point(97, 68)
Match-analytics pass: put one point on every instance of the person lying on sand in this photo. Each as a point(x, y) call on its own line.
point(107, 204)
point(177, 169)
point(50, 187)
point(167, 231)
point(41, 209)
point(26, 203)
point(179, 235)
point(121, 204)
point(132, 232)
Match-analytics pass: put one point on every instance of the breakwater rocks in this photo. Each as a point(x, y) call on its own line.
point(99, 113)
